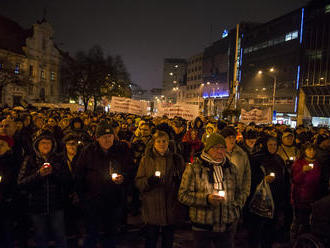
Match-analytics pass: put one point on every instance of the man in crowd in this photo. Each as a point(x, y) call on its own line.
point(101, 176)
point(211, 189)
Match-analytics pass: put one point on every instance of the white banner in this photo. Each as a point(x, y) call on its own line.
point(128, 105)
point(259, 116)
point(186, 111)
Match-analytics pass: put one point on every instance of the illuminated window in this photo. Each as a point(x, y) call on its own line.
point(52, 76)
point(42, 74)
point(17, 67)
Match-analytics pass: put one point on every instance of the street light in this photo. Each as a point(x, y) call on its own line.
point(274, 84)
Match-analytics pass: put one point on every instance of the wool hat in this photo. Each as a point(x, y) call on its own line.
point(10, 141)
point(103, 128)
point(213, 140)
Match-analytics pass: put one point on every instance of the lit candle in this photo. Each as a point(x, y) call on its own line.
point(311, 165)
point(157, 173)
point(114, 175)
point(291, 158)
point(0, 179)
point(46, 165)
point(272, 174)
point(222, 193)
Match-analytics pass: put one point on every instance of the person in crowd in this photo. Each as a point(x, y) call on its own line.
point(305, 188)
point(179, 132)
point(8, 191)
point(46, 179)
point(198, 125)
point(236, 155)
point(73, 213)
point(125, 133)
point(158, 179)
point(192, 145)
point(323, 157)
point(211, 190)
point(210, 128)
point(101, 175)
point(264, 231)
point(77, 127)
point(249, 141)
point(287, 150)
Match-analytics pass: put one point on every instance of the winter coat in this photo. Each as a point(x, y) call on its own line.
point(94, 169)
point(159, 203)
point(46, 194)
point(240, 159)
point(8, 183)
point(305, 187)
point(197, 184)
point(280, 187)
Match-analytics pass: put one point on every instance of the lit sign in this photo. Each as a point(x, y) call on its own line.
point(225, 33)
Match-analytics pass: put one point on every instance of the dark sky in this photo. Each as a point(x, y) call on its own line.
point(143, 32)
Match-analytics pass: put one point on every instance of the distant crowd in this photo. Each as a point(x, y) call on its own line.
point(81, 174)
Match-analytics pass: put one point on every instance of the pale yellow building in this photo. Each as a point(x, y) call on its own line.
point(34, 54)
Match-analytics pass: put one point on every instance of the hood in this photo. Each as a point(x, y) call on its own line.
point(41, 134)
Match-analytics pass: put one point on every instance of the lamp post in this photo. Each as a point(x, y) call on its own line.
point(200, 95)
point(274, 85)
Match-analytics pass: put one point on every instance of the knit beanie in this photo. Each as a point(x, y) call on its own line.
point(213, 140)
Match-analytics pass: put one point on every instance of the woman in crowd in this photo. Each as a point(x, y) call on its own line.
point(158, 179)
point(305, 188)
point(263, 231)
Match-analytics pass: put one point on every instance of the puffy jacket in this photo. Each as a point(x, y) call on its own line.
point(46, 194)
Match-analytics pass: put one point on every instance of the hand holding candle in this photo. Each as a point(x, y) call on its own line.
point(45, 169)
point(222, 193)
point(270, 178)
point(311, 165)
point(117, 178)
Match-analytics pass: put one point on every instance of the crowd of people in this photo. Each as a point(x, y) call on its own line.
point(78, 173)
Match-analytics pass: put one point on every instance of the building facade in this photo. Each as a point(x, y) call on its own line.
point(174, 77)
point(314, 100)
point(270, 66)
point(35, 55)
point(194, 88)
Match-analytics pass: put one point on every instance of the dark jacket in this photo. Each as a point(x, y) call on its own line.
point(94, 169)
point(46, 194)
point(280, 187)
point(159, 203)
point(8, 184)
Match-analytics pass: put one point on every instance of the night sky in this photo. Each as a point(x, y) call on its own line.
point(143, 32)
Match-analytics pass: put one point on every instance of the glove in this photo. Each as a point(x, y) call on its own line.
point(153, 180)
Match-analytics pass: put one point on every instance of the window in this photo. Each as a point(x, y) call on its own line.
point(52, 76)
point(42, 75)
point(17, 67)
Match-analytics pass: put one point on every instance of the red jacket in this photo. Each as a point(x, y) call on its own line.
point(305, 188)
